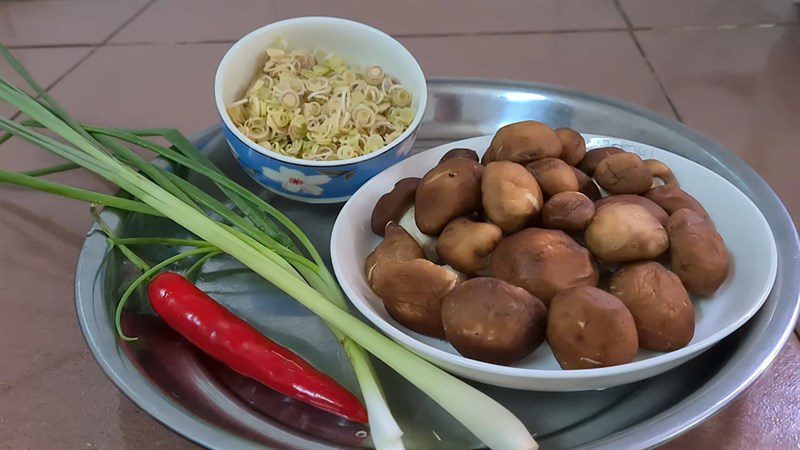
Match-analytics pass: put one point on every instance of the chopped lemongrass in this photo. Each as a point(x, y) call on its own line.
point(307, 106)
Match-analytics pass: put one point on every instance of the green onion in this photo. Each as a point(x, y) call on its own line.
point(308, 281)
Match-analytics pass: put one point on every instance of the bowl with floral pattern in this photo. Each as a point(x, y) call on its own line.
point(360, 46)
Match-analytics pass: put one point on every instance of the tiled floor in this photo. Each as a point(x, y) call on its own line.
point(730, 69)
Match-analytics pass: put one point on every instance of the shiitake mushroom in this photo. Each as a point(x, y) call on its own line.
point(465, 245)
point(623, 173)
point(659, 304)
point(523, 142)
point(697, 252)
point(494, 321)
point(644, 202)
point(568, 211)
point(672, 198)
point(589, 328)
point(573, 146)
point(393, 204)
point(449, 190)
point(625, 232)
point(544, 262)
point(553, 175)
point(594, 156)
point(510, 195)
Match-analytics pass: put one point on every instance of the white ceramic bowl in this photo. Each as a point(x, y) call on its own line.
point(739, 221)
point(361, 46)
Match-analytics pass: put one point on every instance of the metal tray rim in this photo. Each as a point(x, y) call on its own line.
point(639, 435)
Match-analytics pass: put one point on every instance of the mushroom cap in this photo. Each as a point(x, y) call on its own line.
point(589, 328)
point(594, 156)
point(623, 173)
point(494, 321)
point(644, 202)
point(543, 262)
point(510, 195)
point(460, 153)
point(398, 245)
point(523, 142)
point(586, 185)
point(391, 206)
point(449, 190)
point(672, 198)
point(465, 245)
point(413, 291)
point(573, 146)
point(625, 232)
point(568, 211)
point(553, 175)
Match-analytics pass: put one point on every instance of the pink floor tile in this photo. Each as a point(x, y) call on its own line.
point(742, 88)
point(195, 21)
point(45, 64)
point(41, 22)
point(439, 17)
point(605, 63)
point(682, 13)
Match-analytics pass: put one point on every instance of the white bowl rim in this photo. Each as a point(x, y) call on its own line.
point(428, 351)
point(304, 162)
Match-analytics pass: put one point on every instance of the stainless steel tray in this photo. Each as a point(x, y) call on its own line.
point(214, 408)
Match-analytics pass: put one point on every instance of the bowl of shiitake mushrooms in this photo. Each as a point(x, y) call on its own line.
point(543, 258)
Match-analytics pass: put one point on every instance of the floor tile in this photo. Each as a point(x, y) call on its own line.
point(766, 416)
point(145, 86)
point(742, 88)
point(683, 13)
point(605, 63)
point(197, 21)
point(440, 17)
point(45, 64)
point(41, 22)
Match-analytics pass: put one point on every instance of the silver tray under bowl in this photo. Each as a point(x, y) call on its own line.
point(218, 409)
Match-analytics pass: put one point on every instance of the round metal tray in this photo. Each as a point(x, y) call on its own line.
point(217, 409)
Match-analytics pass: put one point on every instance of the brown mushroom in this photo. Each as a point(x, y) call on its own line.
point(490, 320)
point(623, 173)
point(594, 156)
point(672, 198)
point(465, 245)
point(460, 153)
point(523, 142)
point(568, 211)
point(697, 252)
point(573, 146)
point(543, 262)
point(661, 171)
point(644, 202)
point(553, 175)
point(625, 232)
point(659, 304)
point(391, 206)
point(586, 185)
point(398, 245)
point(510, 195)
point(449, 190)
point(589, 328)
point(413, 291)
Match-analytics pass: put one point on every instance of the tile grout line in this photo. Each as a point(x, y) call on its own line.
point(632, 34)
point(94, 48)
point(434, 35)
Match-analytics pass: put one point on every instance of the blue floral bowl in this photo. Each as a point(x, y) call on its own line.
point(361, 46)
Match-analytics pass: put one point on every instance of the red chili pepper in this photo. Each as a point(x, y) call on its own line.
point(231, 340)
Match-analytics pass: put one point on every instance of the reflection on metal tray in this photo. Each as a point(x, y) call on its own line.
point(218, 409)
